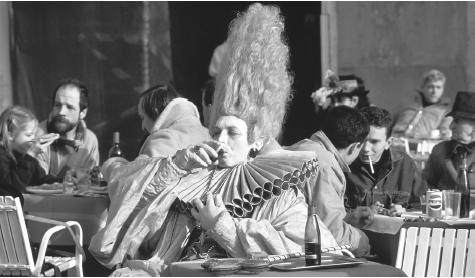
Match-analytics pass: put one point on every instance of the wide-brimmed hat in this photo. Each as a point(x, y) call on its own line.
point(464, 106)
point(351, 85)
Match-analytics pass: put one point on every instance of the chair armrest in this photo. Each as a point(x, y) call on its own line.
point(77, 238)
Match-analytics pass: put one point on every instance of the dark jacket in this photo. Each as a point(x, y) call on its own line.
point(397, 181)
point(442, 167)
point(15, 176)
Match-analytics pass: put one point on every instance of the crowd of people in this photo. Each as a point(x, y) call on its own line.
point(228, 188)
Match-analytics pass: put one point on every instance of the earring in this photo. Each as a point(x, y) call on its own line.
point(253, 152)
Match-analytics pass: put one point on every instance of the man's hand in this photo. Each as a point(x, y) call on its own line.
point(195, 157)
point(207, 215)
point(360, 217)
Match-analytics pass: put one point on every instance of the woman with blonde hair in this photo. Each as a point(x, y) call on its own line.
point(229, 197)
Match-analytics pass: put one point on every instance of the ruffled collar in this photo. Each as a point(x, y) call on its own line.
point(250, 183)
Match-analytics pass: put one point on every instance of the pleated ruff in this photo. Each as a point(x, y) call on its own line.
point(250, 183)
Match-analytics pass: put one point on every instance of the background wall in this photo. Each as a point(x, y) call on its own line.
point(391, 44)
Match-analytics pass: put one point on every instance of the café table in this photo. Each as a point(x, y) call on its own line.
point(383, 233)
point(90, 212)
point(368, 269)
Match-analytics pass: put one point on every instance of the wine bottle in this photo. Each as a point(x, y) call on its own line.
point(463, 187)
point(313, 247)
point(115, 150)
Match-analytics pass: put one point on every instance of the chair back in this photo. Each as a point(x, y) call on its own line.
point(436, 252)
point(16, 258)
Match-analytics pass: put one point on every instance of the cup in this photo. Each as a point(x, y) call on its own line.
point(452, 204)
point(83, 179)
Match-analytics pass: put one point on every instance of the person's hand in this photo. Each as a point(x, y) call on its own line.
point(360, 217)
point(320, 96)
point(199, 156)
point(396, 210)
point(207, 214)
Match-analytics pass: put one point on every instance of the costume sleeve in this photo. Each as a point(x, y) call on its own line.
point(328, 196)
point(275, 228)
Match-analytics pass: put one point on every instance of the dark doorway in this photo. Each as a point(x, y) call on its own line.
point(198, 27)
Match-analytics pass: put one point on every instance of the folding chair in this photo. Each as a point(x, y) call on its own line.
point(16, 257)
point(436, 252)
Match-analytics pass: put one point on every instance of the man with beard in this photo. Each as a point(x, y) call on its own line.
point(77, 146)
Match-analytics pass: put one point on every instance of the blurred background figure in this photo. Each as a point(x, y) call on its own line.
point(445, 160)
point(346, 90)
point(424, 115)
point(207, 92)
point(172, 122)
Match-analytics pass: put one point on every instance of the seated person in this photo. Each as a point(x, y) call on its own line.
point(77, 146)
point(426, 111)
point(382, 173)
point(150, 225)
point(442, 167)
point(336, 146)
point(347, 90)
point(171, 121)
point(18, 169)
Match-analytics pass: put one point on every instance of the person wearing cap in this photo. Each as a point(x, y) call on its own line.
point(444, 161)
point(383, 174)
point(426, 111)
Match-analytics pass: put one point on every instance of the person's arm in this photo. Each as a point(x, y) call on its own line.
point(328, 190)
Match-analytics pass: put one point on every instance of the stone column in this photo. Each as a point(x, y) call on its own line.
point(6, 97)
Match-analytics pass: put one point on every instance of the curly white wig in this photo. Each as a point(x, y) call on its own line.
point(253, 83)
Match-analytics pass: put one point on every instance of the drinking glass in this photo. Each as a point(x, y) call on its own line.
point(452, 204)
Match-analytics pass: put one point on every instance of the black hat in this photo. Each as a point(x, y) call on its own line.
point(464, 106)
point(351, 85)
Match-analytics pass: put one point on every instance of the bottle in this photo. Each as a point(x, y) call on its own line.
point(463, 187)
point(115, 150)
point(313, 247)
point(97, 179)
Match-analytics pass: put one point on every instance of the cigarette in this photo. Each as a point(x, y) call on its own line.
point(371, 165)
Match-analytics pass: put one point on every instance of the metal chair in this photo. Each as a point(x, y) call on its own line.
point(436, 252)
point(16, 257)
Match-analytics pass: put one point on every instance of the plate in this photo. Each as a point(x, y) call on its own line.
point(328, 261)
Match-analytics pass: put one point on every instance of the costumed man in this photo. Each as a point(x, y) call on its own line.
point(442, 167)
point(77, 146)
point(229, 197)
